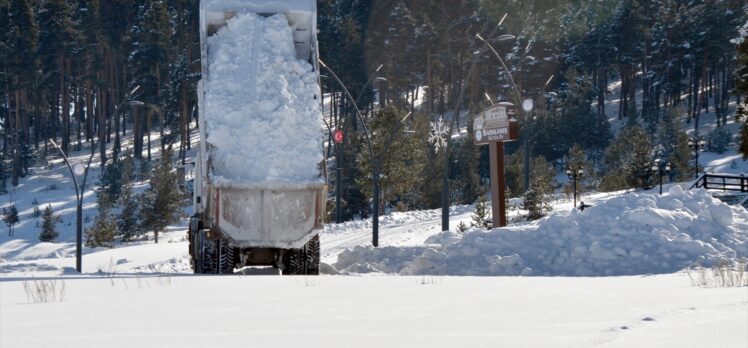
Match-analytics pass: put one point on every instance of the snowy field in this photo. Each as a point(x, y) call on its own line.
point(329, 311)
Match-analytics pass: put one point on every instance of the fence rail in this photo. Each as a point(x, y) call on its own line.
point(722, 182)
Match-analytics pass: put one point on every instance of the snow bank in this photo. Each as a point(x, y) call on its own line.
point(262, 114)
point(625, 235)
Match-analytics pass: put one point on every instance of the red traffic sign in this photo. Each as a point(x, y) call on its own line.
point(338, 136)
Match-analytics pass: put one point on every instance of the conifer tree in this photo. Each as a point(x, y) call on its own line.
point(673, 141)
point(49, 225)
point(535, 201)
point(482, 214)
point(10, 217)
point(128, 220)
point(742, 87)
point(103, 230)
point(161, 204)
point(628, 161)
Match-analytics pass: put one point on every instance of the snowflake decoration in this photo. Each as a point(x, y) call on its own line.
point(438, 134)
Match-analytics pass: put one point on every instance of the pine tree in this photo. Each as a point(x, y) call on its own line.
point(628, 161)
point(673, 142)
point(10, 217)
point(482, 214)
point(400, 158)
point(161, 204)
point(128, 220)
point(104, 228)
point(49, 225)
point(3, 175)
point(742, 87)
point(535, 202)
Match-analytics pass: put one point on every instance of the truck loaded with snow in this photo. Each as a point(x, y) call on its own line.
point(260, 182)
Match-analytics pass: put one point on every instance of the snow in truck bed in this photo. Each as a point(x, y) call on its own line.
point(262, 114)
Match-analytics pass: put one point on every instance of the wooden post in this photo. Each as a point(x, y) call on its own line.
point(498, 183)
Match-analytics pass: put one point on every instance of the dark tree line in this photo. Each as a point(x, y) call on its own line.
point(673, 58)
point(71, 69)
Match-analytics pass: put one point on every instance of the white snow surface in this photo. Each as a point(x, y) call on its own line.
point(625, 235)
point(262, 311)
point(262, 114)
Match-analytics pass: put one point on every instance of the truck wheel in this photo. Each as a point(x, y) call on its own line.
point(294, 262)
point(312, 256)
point(226, 257)
point(206, 254)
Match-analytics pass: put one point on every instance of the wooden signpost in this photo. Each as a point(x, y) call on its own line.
point(495, 126)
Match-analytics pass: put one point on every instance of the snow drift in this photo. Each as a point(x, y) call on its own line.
point(626, 235)
point(262, 111)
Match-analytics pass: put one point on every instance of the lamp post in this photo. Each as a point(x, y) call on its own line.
point(696, 144)
point(76, 171)
point(453, 122)
point(375, 171)
point(527, 104)
point(661, 168)
point(79, 170)
point(575, 174)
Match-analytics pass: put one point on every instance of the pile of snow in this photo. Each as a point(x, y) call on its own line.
point(625, 235)
point(261, 109)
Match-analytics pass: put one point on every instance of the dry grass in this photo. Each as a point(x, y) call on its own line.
point(723, 274)
point(43, 291)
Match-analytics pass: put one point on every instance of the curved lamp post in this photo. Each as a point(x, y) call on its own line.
point(75, 171)
point(527, 104)
point(374, 164)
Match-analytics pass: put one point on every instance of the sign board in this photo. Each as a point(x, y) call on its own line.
point(497, 123)
point(338, 136)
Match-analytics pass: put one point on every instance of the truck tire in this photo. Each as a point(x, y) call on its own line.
point(206, 258)
point(225, 257)
point(304, 261)
point(212, 256)
point(294, 262)
point(312, 256)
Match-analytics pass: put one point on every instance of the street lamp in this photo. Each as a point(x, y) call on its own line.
point(375, 171)
point(574, 175)
point(661, 168)
point(527, 104)
point(696, 144)
point(78, 170)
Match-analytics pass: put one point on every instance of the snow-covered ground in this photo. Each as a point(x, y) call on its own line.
point(328, 311)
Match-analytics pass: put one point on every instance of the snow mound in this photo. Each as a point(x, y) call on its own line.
point(262, 114)
point(625, 235)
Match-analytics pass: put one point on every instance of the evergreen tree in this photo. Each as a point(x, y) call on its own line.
point(628, 161)
point(128, 220)
point(482, 214)
point(10, 217)
point(400, 157)
point(3, 175)
point(104, 228)
point(161, 203)
point(49, 225)
point(742, 87)
point(673, 142)
point(535, 201)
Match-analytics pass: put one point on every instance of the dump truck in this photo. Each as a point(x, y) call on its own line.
point(260, 182)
